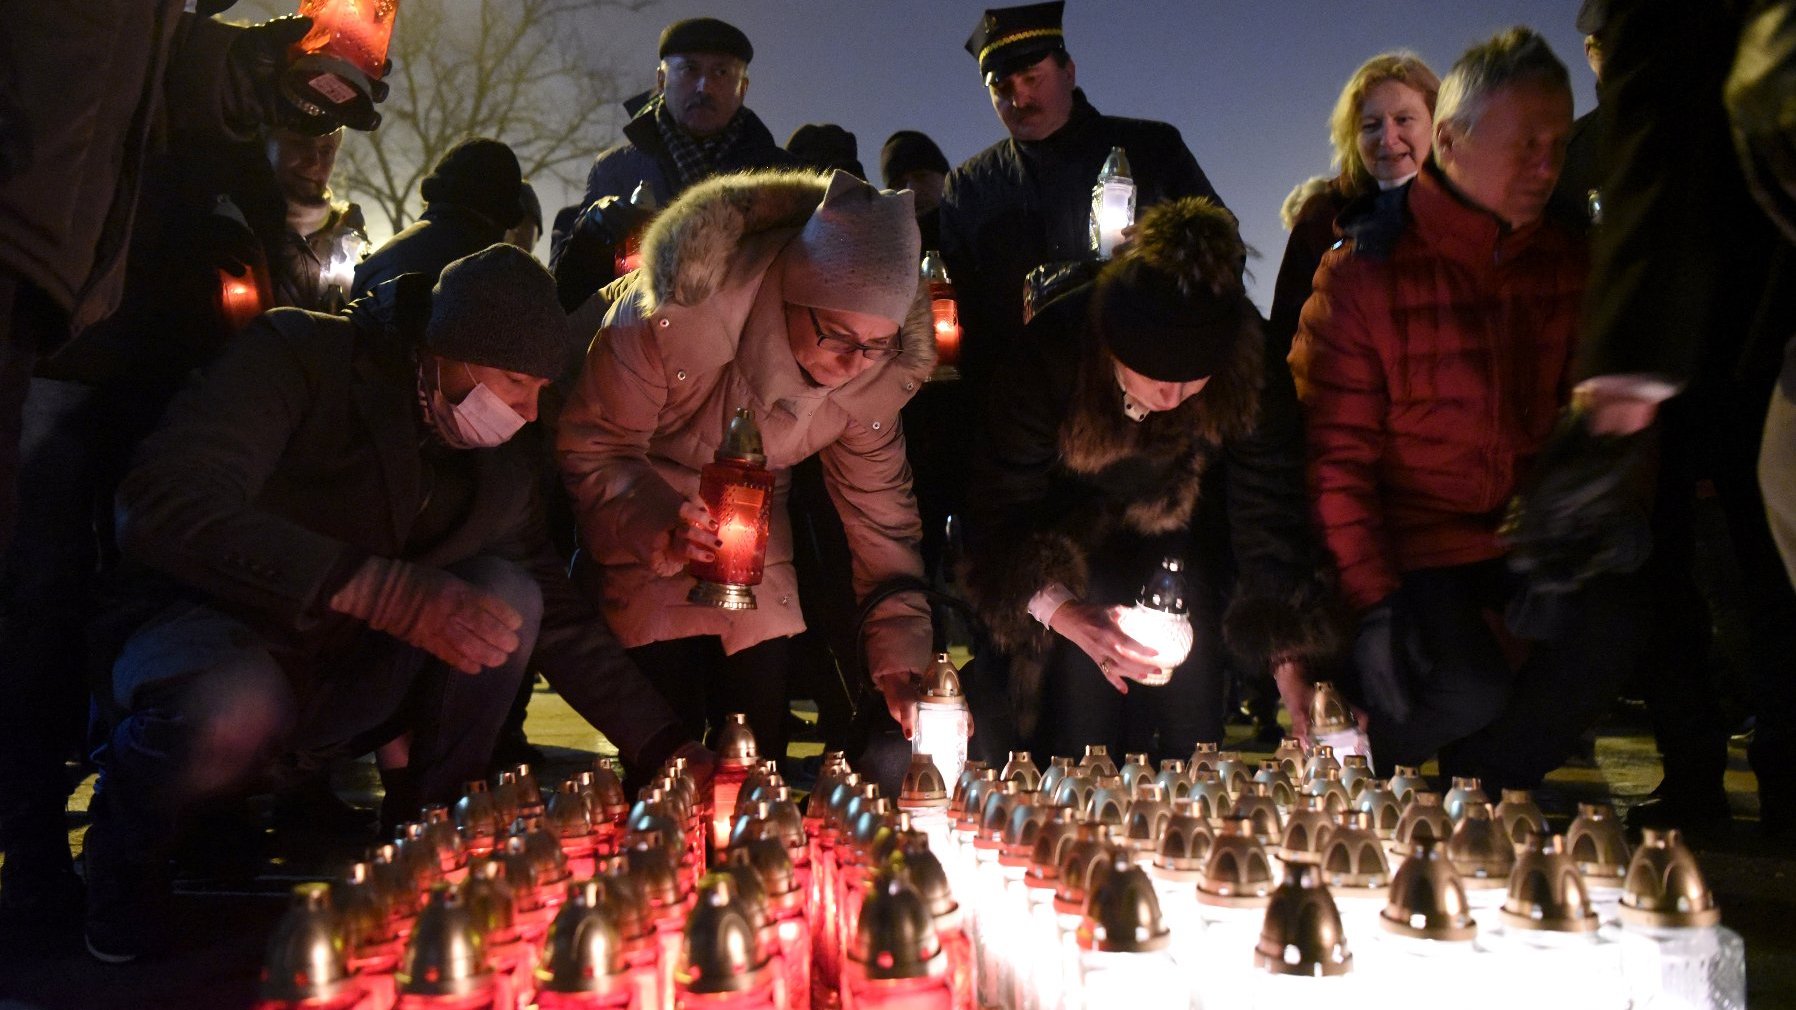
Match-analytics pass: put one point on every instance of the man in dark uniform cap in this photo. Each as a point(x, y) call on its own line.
point(1026, 200)
point(694, 126)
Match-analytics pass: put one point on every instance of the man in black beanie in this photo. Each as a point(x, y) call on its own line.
point(694, 126)
point(472, 197)
point(910, 160)
point(334, 541)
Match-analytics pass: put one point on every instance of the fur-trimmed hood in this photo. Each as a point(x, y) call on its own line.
point(726, 233)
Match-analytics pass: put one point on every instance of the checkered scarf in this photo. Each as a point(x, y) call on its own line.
point(695, 159)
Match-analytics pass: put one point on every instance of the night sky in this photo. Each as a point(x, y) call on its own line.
point(1249, 84)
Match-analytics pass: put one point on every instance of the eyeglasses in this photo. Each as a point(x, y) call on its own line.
point(836, 343)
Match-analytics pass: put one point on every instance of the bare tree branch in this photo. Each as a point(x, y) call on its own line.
point(505, 69)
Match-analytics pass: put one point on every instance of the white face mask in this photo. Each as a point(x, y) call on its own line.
point(480, 421)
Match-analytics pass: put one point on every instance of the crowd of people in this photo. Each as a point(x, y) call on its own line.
point(1455, 470)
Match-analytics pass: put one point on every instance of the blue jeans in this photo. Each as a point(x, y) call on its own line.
point(210, 705)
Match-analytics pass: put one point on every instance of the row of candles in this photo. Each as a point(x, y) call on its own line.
point(1198, 883)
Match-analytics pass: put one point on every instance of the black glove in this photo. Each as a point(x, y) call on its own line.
point(612, 219)
point(1761, 107)
point(1385, 655)
point(1580, 513)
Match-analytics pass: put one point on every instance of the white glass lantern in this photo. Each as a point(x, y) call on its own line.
point(1160, 619)
point(1112, 204)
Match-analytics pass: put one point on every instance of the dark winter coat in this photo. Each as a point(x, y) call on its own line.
point(584, 262)
point(1017, 205)
point(88, 91)
point(1432, 361)
point(1064, 483)
point(300, 453)
point(1312, 234)
point(442, 235)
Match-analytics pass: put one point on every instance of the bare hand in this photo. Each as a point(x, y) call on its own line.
point(1094, 630)
point(693, 538)
point(901, 698)
point(1295, 690)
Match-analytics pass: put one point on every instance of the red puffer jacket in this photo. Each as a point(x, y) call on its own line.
point(1431, 371)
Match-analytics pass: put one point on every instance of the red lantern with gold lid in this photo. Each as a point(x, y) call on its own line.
point(737, 487)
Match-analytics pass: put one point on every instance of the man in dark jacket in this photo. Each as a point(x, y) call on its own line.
point(356, 550)
point(1431, 362)
point(90, 92)
point(1026, 200)
point(472, 197)
point(323, 239)
point(692, 127)
point(1691, 306)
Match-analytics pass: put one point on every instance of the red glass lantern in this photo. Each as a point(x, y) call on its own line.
point(337, 67)
point(785, 902)
point(722, 965)
point(583, 966)
point(736, 754)
point(636, 932)
point(306, 967)
point(445, 966)
point(240, 299)
point(569, 819)
point(627, 254)
point(738, 489)
point(944, 311)
point(896, 961)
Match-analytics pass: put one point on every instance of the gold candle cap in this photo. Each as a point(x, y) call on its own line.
point(1546, 892)
point(734, 743)
point(446, 955)
point(1237, 873)
point(895, 936)
point(1306, 831)
point(584, 952)
point(1427, 900)
point(1665, 887)
point(1020, 768)
point(1302, 932)
point(307, 957)
point(1123, 915)
point(1596, 843)
point(1480, 849)
point(719, 949)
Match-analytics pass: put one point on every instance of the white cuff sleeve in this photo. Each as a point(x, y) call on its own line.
point(1044, 603)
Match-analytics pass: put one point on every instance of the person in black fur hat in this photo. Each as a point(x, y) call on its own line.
point(1144, 418)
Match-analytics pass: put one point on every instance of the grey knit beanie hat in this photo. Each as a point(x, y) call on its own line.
point(498, 308)
point(858, 252)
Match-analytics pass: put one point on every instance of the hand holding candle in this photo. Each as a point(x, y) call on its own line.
point(693, 538)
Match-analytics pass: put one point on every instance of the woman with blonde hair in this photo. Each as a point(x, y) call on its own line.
point(1381, 131)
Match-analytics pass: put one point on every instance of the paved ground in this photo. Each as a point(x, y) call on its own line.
point(222, 923)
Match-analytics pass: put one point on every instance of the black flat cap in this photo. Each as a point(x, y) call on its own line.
point(705, 35)
point(1011, 38)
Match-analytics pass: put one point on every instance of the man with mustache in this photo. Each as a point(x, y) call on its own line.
point(691, 127)
point(1026, 200)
